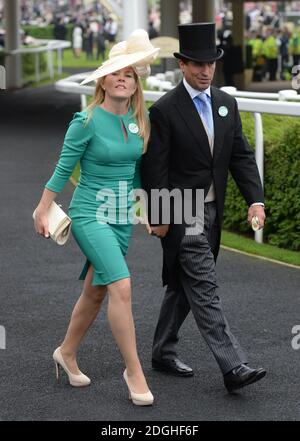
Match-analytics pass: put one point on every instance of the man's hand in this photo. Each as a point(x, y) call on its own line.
point(160, 231)
point(259, 211)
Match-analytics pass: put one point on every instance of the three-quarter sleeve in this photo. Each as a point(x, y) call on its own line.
point(137, 175)
point(76, 140)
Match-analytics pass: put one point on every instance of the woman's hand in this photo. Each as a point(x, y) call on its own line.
point(41, 223)
point(148, 228)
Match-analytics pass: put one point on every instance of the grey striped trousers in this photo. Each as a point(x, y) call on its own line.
point(197, 292)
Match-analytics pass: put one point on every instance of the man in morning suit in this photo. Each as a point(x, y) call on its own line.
point(196, 138)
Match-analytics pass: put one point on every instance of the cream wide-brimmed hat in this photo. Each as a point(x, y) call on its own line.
point(136, 51)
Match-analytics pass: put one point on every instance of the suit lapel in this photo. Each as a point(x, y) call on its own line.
point(219, 122)
point(189, 114)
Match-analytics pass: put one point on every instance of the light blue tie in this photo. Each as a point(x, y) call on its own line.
point(203, 105)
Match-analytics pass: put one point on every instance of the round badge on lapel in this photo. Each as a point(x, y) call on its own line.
point(223, 111)
point(133, 128)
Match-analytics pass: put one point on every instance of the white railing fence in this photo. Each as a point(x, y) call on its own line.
point(282, 95)
point(47, 46)
point(167, 80)
point(247, 102)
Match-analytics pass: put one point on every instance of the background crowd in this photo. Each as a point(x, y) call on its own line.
point(272, 31)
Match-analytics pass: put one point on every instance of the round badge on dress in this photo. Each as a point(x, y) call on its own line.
point(133, 128)
point(223, 111)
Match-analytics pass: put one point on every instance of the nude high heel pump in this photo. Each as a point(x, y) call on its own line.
point(139, 399)
point(77, 380)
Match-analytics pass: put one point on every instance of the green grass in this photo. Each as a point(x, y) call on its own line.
point(29, 81)
point(69, 60)
point(247, 245)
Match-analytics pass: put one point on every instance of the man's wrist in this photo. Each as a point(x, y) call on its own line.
point(261, 204)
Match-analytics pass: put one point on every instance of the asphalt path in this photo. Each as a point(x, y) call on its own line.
point(39, 286)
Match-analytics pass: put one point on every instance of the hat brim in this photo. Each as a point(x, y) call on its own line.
point(118, 63)
point(201, 58)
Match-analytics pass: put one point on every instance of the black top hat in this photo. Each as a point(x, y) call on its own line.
point(198, 42)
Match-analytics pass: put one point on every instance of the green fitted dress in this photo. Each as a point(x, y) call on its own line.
point(101, 206)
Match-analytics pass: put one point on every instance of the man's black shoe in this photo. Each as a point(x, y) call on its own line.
point(242, 376)
point(173, 367)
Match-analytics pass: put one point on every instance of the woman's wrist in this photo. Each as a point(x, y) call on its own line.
point(42, 208)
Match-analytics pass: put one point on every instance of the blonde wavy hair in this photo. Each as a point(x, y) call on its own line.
point(137, 103)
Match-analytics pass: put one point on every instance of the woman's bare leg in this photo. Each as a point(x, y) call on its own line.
point(122, 326)
point(84, 313)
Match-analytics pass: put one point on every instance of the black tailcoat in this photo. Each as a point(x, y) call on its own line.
point(179, 156)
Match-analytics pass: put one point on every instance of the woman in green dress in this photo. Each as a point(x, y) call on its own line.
point(108, 139)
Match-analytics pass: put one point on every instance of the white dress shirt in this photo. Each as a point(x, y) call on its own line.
point(211, 196)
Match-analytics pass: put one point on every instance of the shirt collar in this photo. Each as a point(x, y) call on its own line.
point(194, 92)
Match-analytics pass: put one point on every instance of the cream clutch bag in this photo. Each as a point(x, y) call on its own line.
point(59, 224)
